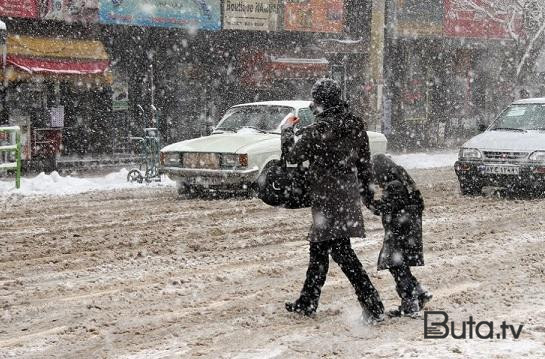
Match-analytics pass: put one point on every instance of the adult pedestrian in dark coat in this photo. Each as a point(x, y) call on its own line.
point(337, 148)
point(401, 209)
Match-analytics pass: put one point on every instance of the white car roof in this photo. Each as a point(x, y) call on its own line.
point(530, 100)
point(297, 104)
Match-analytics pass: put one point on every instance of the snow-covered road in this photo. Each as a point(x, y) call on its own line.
point(145, 274)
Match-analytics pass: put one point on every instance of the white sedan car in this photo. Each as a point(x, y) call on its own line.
point(242, 145)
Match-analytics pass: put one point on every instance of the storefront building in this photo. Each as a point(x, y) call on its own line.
point(56, 81)
point(442, 74)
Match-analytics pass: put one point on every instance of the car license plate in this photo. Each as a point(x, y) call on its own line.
point(500, 170)
point(204, 181)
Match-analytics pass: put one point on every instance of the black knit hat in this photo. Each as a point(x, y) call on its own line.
point(326, 93)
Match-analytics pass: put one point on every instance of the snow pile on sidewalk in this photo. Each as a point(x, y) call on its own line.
point(55, 184)
point(426, 160)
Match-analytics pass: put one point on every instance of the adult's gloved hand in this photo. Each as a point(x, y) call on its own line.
point(290, 121)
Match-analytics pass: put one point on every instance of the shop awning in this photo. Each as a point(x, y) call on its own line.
point(263, 70)
point(56, 56)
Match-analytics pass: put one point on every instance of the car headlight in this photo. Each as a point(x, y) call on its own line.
point(171, 158)
point(470, 154)
point(234, 160)
point(537, 156)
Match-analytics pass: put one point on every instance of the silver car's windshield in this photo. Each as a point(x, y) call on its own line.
point(259, 117)
point(521, 118)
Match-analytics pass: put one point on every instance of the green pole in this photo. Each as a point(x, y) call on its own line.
point(18, 159)
point(14, 148)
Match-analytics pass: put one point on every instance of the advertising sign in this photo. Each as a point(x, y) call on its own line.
point(250, 15)
point(120, 91)
point(187, 14)
point(462, 20)
point(419, 17)
point(20, 8)
point(57, 116)
point(85, 11)
point(314, 15)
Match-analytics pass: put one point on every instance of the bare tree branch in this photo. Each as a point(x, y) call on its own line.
point(529, 48)
point(508, 14)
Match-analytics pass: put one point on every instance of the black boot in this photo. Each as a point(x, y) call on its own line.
point(408, 308)
point(373, 310)
point(423, 296)
point(302, 306)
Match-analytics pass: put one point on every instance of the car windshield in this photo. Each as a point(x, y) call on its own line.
point(521, 118)
point(259, 117)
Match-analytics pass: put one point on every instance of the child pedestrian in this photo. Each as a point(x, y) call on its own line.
point(401, 209)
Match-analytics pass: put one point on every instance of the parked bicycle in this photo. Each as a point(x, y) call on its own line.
point(148, 149)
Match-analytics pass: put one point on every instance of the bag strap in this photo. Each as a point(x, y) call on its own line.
point(283, 162)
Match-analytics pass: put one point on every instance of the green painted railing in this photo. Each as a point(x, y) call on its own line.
point(15, 148)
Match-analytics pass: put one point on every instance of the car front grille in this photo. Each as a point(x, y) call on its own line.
point(505, 156)
point(201, 160)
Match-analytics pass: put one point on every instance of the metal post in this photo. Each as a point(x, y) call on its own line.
point(3, 40)
point(152, 90)
point(376, 59)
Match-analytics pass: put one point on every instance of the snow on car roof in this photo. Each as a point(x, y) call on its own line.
point(530, 100)
point(290, 103)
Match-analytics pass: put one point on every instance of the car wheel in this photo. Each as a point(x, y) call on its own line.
point(135, 176)
point(262, 177)
point(470, 188)
point(182, 188)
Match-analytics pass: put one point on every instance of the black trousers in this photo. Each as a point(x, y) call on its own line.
point(407, 286)
point(342, 253)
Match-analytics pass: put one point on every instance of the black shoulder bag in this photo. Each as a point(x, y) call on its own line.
point(283, 186)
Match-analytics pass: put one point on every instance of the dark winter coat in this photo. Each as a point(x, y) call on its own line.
point(337, 148)
point(401, 209)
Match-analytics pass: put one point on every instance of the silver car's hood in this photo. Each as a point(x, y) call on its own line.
point(508, 140)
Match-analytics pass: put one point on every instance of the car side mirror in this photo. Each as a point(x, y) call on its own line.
point(482, 127)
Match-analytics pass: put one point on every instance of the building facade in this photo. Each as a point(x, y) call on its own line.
point(178, 71)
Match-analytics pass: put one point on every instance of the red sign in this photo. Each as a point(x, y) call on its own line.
point(314, 15)
point(464, 20)
point(261, 69)
point(20, 8)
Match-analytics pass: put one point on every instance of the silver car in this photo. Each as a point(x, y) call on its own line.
point(509, 153)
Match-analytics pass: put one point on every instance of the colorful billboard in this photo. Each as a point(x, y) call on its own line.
point(260, 15)
point(314, 15)
point(187, 14)
point(20, 8)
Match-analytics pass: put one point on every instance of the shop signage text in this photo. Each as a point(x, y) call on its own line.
point(251, 15)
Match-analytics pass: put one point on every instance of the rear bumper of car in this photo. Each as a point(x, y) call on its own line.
point(529, 176)
point(212, 178)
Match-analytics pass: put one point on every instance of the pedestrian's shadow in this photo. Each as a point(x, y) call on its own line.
point(513, 193)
